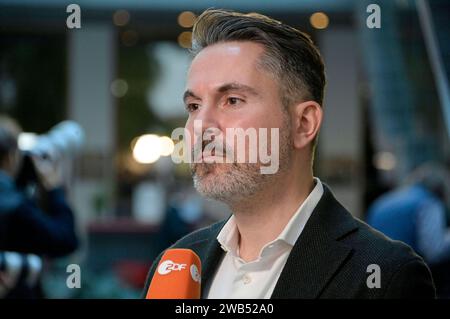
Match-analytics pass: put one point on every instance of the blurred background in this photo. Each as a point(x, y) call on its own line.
point(121, 77)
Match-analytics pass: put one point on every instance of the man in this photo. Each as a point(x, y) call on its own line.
point(288, 237)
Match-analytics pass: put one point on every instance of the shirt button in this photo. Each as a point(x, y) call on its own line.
point(247, 279)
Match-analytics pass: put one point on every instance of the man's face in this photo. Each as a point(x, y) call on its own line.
point(226, 88)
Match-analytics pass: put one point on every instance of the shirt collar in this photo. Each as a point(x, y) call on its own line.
point(228, 237)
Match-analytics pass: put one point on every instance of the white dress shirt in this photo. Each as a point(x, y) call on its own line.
point(237, 279)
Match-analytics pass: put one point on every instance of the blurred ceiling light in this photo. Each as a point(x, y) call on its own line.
point(385, 161)
point(119, 88)
point(27, 141)
point(319, 20)
point(129, 38)
point(184, 39)
point(147, 149)
point(121, 18)
point(167, 145)
point(186, 19)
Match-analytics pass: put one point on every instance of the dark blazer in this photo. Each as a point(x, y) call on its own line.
point(329, 259)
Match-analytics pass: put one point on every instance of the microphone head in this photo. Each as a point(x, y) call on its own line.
point(177, 276)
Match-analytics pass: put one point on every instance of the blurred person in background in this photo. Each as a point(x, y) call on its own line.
point(19, 273)
point(417, 214)
point(26, 227)
point(183, 215)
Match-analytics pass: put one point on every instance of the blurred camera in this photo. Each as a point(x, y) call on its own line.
point(62, 142)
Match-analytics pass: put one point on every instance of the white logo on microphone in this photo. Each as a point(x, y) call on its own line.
point(168, 266)
point(195, 273)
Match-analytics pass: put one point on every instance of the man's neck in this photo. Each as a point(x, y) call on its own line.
point(261, 219)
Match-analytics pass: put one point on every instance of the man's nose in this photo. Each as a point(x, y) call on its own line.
point(209, 117)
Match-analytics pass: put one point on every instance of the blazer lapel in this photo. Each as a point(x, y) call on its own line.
point(212, 261)
point(317, 254)
point(210, 254)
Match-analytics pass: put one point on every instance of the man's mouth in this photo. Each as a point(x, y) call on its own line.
point(212, 155)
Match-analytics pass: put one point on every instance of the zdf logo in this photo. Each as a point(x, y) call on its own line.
point(168, 266)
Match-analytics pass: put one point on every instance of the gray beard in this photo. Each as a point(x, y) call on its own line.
point(231, 184)
point(234, 183)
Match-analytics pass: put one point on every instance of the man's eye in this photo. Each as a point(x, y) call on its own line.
point(234, 100)
point(191, 107)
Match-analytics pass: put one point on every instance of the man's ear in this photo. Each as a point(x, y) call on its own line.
point(307, 119)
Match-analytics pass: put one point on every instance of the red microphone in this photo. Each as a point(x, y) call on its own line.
point(177, 276)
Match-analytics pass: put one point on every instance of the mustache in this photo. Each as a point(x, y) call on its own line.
point(220, 147)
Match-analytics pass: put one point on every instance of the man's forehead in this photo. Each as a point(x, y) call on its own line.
point(223, 54)
point(232, 48)
point(225, 63)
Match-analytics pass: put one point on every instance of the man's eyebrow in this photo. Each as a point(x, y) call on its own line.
point(237, 87)
point(189, 93)
point(224, 88)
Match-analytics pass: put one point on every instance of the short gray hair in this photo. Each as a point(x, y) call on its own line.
point(289, 53)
